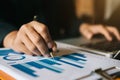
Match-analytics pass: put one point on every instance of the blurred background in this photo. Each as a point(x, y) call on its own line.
point(103, 11)
point(65, 16)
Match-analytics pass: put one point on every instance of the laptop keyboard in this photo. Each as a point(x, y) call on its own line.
point(105, 45)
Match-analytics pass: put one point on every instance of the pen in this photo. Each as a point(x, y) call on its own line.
point(51, 53)
point(35, 18)
point(50, 50)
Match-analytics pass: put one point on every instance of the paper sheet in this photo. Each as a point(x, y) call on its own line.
point(69, 64)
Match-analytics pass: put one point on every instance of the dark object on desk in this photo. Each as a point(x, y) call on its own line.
point(112, 73)
point(105, 46)
point(117, 55)
point(115, 75)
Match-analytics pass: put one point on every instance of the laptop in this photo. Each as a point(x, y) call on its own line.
point(98, 45)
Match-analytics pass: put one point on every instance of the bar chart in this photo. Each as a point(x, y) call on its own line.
point(74, 59)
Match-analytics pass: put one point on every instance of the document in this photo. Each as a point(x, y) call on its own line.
point(68, 64)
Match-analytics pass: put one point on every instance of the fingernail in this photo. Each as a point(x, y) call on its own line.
point(110, 39)
point(47, 55)
point(49, 45)
point(89, 36)
point(54, 49)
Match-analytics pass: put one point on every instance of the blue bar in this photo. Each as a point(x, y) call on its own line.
point(50, 67)
point(50, 62)
point(58, 59)
point(41, 65)
point(25, 69)
point(78, 54)
point(34, 64)
point(79, 62)
point(74, 58)
point(6, 52)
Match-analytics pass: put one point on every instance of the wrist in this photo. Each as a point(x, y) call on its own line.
point(84, 25)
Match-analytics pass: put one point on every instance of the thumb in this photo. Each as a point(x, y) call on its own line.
point(87, 34)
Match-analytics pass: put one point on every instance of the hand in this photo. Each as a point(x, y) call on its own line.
point(32, 38)
point(89, 30)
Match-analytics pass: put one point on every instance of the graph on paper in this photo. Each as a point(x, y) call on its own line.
point(56, 65)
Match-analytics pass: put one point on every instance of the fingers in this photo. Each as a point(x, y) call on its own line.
point(102, 30)
point(114, 31)
point(54, 46)
point(88, 31)
point(31, 47)
point(34, 41)
point(85, 31)
point(37, 39)
point(22, 48)
point(88, 34)
point(32, 38)
point(107, 30)
point(44, 33)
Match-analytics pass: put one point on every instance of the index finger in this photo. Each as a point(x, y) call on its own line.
point(104, 31)
point(44, 32)
point(114, 31)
